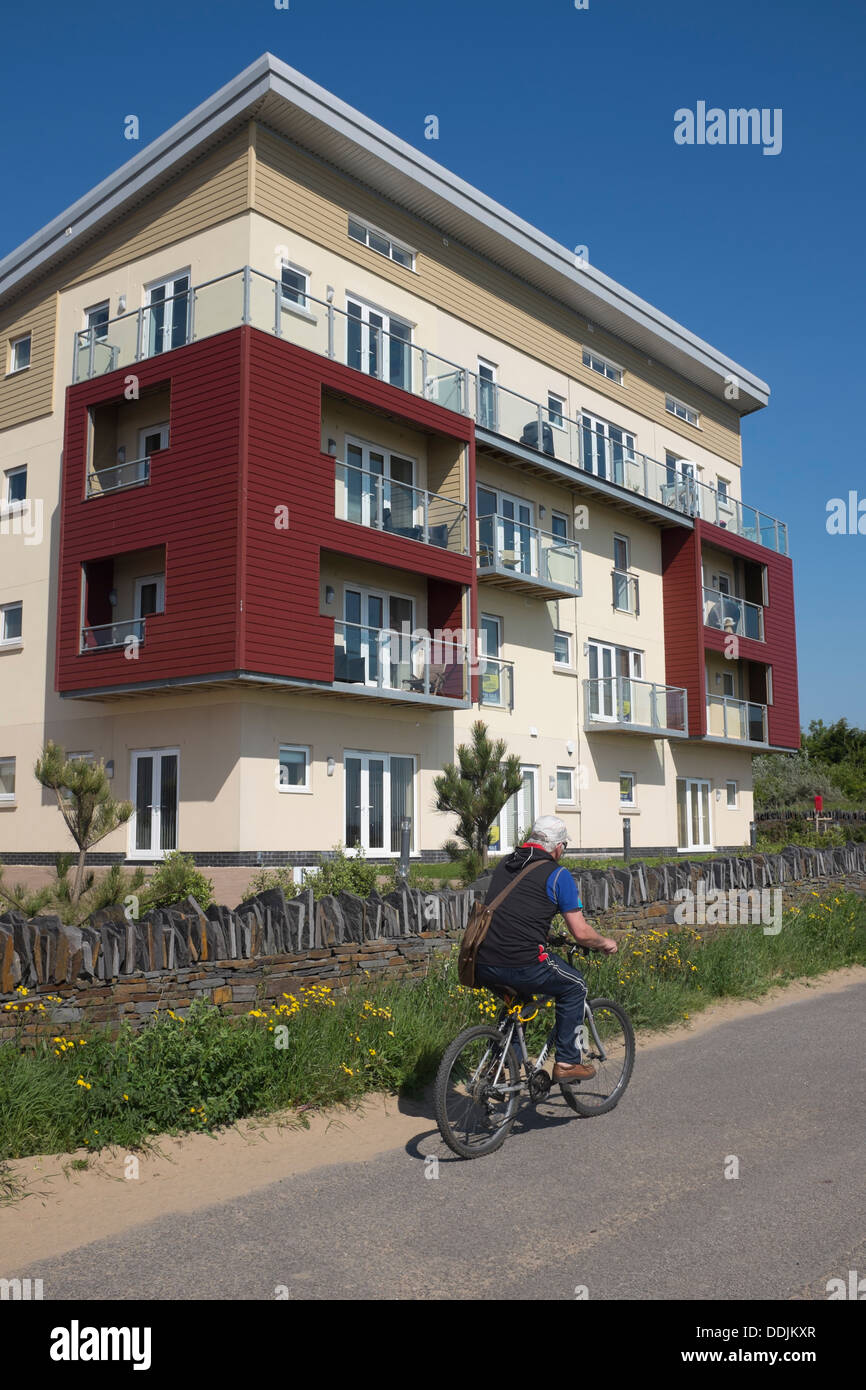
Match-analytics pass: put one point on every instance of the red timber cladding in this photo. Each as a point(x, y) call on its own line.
point(779, 650)
point(284, 633)
point(191, 507)
point(684, 646)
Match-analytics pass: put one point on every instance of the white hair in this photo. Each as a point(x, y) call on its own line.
point(549, 832)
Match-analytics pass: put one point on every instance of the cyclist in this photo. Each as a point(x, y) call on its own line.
point(514, 952)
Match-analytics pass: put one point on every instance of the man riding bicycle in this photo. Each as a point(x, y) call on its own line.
point(514, 952)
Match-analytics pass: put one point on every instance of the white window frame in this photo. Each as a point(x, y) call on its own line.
point(681, 411)
point(14, 344)
point(162, 429)
point(93, 309)
point(611, 371)
point(7, 608)
point(285, 788)
point(632, 801)
point(692, 787)
point(154, 853)
point(561, 516)
point(159, 581)
point(165, 282)
point(558, 417)
point(386, 236)
point(367, 308)
point(729, 804)
point(501, 847)
point(9, 798)
point(18, 502)
point(722, 490)
point(295, 305)
point(367, 447)
point(569, 663)
point(365, 755)
point(569, 799)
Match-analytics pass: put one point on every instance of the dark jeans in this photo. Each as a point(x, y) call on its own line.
point(554, 977)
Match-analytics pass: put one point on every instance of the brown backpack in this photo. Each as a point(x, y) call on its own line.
point(478, 925)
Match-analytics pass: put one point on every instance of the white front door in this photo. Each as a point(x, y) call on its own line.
point(154, 783)
point(693, 813)
point(380, 792)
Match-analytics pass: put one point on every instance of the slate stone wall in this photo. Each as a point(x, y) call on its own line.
point(114, 968)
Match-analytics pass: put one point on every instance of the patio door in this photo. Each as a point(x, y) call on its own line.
point(166, 317)
point(489, 670)
point(506, 537)
point(380, 791)
point(610, 699)
point(154, 783)
point(378, 344)
point(606, 448)
point(367, 615)
point(516, 816)
point(380, 488)
point(693, 813)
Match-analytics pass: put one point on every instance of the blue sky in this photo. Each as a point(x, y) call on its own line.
point(567, 117)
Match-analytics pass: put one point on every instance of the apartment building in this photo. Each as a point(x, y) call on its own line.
point(311, 455)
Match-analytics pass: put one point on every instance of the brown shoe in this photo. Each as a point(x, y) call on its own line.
point(580, 1071)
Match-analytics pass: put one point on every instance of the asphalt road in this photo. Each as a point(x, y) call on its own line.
point(632, 1205)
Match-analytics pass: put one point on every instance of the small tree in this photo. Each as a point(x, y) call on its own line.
point(475, 792)
point(85, 802)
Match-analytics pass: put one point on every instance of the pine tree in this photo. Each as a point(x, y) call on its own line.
point(85, 802)
point(475, 791)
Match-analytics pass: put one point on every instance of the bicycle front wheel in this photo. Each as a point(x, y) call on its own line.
point(610, 1049)
point(477, 1092)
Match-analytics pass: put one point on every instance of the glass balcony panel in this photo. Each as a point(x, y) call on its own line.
point(385, 660)
point(443, 382)
point(219, 306)
point(116, 634)
point(620, 702)
point(496, 683)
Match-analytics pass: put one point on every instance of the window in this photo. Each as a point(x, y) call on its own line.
point(10, 623)
point(506, 535)
point(380, 792)
point(16, 484)
point(611, 672)
point(296, 285)
point(608, 451)
point(693, 813)
point(491, 673)
point(626, 789)
point(625, 585)
point(166, 316)
point(487, 395)
point(377, 489)
point(682, 411)
point(378, 241)
point(378, 344)
point(559, 526)
point(556, 410)
point(97, 321)
point(728, 684)
point(731, 791)
point(19, 355)
point(722, 489)
point(7, 779)
point(603, 366)
point(565, 786)
point(294, 768)
point(562, 648)
point(151, 439)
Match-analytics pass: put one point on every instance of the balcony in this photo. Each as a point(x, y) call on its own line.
point(620, 704)
point(728, 614)
point(135, 473)
point(515, 556)
point(247, 296)
point(397, 509)
point(400, 667)
point(125, 632)
point(736, 721)
point(496, 684)
point(626, 592)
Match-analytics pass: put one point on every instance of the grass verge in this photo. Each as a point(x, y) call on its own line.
point(92, 1089)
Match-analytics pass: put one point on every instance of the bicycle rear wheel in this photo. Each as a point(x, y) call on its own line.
point(611, 1031)
point(477, 1092)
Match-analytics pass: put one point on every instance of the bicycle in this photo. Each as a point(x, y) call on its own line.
point(478, 1085)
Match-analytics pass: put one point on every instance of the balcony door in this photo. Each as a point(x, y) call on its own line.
point(606, 448)
point(489, 669)
point(166, 317)
point(154, 783)
point(488, 402)
point(506, 537)
point(380, 792)
point(369, 660)
point(693, 814)
point(380, 489)
point(378, 344)
point(611, 699)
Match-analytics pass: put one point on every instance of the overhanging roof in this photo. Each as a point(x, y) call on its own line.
point(312, 117)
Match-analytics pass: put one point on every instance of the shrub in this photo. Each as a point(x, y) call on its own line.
point(176, 878)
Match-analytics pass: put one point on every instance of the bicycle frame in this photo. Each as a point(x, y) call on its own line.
point(513, 1032)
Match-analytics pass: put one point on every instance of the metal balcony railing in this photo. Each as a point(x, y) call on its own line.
point(512, 548)
point(135, 473)
point(742, 720)
point(496, 683)
point(399, 509)
point(124, 632)
point(623, 703)
point(247, 296)
point(728, 614)
point(384, 660)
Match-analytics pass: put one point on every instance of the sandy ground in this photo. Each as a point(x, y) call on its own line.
point(63, 1208)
